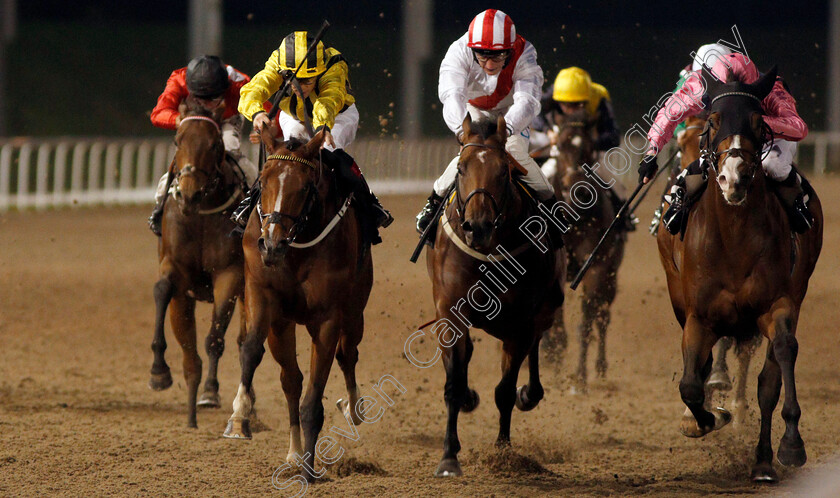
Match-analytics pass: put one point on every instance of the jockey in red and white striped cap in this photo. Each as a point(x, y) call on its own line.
point(490, 72)
point(492, 30)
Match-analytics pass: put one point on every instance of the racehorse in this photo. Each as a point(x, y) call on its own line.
point(480, 230)
point(306, 262)
point(689, 144)
point(577, 148)
point(198, 260)
point(740, 271)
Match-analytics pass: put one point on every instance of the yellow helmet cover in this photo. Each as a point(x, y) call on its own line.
point(293, 50)
point(572, 84)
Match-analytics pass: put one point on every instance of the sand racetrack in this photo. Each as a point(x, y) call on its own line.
point(77, 417)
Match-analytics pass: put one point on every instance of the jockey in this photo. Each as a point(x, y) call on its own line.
point(706, 54)
point(322, 101)
point(211, 83)
point(488, 72)
point(574, 91)
point(780, 115)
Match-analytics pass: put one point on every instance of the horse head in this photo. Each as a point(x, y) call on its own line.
point(734, 132)
point(199, 154)
point(290, 182)
point(484, 180)
point(576, 142)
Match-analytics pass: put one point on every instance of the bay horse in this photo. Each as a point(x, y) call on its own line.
point(306, 262)
point(576, 148)
point(480, 229)
point(741, 272)
point(197, 258)
point(719, 380)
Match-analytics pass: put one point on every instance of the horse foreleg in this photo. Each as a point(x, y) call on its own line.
point(282, 344)
point(514, 352)
point(785, 346)
point(455, 361)
point(182, 319)
point(602, 320)
point(347, 355)
point(161, 378)
point(590, 309)
point(719, 378)
point(697, 363)
point(225, 288)
point(324, 342)
point(769, 387)
point(744, 353)
point(250, 355)
point(556, 340)
point(529, 395)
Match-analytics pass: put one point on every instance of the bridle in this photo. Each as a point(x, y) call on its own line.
point(190, 170)
point(711, 156)
point(461, 206)
point(300, 221)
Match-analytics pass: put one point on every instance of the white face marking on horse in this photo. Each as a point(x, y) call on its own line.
point(577, 141)
point(729, 176)
point(481, 155)
point(276, 208)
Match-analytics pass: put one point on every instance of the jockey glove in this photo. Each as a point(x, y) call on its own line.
point(647, 168)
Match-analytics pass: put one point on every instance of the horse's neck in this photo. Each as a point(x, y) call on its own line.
point(734, 224)
point(569, 166)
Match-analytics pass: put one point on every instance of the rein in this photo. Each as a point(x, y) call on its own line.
point(299, 222)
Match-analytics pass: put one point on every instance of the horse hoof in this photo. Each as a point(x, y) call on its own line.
point(448, 467)
point(159, 382)
point(792, 455)
point(764, 473)
point(522, 401)
point(343, 406)
point(719, 381)
point(210, 399)
point(238, 429)
point(472, 401)
point(689, 427)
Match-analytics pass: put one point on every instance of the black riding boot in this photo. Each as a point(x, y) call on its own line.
point(243, 210)
point(689, 183)
point(352, 180)
point(794, 199)
point(424, 217)
point(157, 216)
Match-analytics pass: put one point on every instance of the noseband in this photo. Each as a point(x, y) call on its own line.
point(461, 206)
point(300, 221)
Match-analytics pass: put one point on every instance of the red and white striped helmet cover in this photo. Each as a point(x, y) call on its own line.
point(492, 30)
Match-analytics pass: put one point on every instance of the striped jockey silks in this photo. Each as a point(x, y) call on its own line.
point(492, 30)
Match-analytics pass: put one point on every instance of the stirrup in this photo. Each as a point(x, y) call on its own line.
point(424, 217)
point(801, 220)
point(673, 217)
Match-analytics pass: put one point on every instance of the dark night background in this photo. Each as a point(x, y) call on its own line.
point(96, 67)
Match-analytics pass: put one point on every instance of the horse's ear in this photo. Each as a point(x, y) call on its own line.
point(182, 107)
point(501, 129)
point(314, 145)
point(267, 137)
point(465, 127)
point(219, 112)
point(762, 87)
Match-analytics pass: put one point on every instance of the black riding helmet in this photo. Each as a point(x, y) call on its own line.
point(207, 77)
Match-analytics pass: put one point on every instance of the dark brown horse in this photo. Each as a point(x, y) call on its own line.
point(740, 272)
point(305, 262)
point(689, 144)
point(486, 274)
point(198, 260)
point(595, 210)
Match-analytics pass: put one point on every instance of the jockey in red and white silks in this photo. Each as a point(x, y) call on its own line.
point(514, 91)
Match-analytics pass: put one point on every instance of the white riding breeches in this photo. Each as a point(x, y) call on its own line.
point(777, 163)
point(343, 131)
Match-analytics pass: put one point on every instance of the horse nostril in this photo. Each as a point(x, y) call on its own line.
point(467, 226)
point(261, 244)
